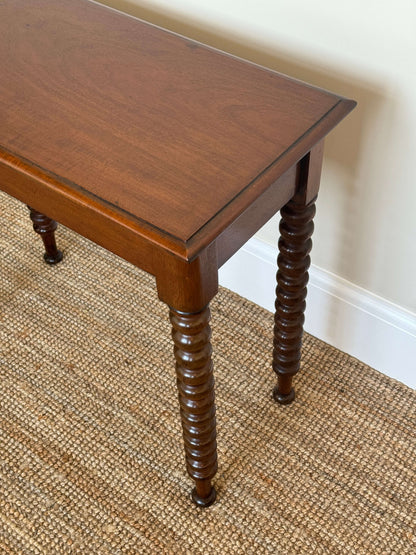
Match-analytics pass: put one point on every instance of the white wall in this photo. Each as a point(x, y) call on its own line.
point(366, 50)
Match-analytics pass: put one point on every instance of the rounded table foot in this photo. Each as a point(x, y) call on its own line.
point(281, 398)
point(53, 259)
point(204, 501)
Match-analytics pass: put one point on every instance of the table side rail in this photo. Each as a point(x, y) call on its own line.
point(103, 225)
point(257, 214)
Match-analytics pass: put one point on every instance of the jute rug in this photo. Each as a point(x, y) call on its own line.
point(91, 457)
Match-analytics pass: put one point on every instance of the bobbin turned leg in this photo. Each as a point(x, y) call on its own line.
point(46, 228)
point(295, 243)
point(187, 288)
point(191, 336)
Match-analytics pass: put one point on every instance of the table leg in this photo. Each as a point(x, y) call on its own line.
point(296, 228)
point(46, 228)
point(191, 336)
point(187, 288)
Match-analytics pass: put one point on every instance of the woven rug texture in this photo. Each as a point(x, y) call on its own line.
point(91, 456)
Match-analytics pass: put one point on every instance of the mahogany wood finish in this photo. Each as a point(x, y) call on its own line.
point(170, 154)
point(191, 336)
point(295, 244)
point(46, 229)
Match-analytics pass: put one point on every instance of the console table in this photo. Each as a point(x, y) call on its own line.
point(171, 155)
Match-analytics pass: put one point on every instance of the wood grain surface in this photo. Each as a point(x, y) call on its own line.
point(170, 132)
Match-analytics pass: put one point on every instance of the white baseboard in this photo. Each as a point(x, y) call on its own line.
point(377, 332)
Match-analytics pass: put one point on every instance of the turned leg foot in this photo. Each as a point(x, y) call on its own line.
point(296, 228)
point(204, 493)
point(46, 228)
point(191, 336)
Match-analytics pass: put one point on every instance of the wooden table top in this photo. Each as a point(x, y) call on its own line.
point(173, 133)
